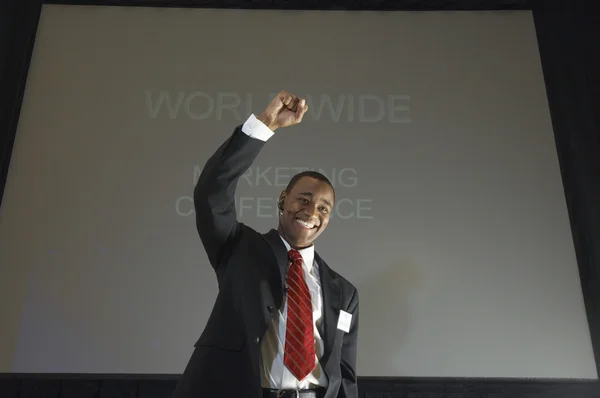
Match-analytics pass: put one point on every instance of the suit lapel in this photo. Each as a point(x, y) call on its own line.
point(331, 306)
point(274, 240)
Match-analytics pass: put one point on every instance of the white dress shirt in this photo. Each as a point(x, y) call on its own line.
point(274, 373)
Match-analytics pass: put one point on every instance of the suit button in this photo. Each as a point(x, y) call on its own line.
point(270, 309)
point(257, 340)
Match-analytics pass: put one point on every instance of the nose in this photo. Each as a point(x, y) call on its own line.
point(311, 210)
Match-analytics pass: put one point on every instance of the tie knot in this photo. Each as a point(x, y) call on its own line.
point(294, 255)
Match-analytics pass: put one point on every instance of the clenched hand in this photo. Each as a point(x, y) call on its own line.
point(284, 110)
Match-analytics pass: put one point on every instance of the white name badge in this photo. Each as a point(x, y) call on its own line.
point(344, 321)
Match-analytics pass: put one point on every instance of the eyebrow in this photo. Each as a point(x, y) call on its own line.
point(311, 195)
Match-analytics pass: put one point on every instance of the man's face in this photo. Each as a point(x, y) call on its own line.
point(306, 210)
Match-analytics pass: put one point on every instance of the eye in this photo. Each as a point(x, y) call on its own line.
point(323, 209)
point(303, 200)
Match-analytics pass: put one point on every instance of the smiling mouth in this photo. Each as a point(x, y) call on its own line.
point(305, 225)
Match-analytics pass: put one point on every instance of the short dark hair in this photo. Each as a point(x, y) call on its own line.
point(309, 173)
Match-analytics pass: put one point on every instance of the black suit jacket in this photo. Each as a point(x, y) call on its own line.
point(251, 270)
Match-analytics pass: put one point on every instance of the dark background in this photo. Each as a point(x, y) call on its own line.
point(568, 34)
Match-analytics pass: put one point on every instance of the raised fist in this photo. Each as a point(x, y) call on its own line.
point(284, 110)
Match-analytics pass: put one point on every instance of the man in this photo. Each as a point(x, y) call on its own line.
point(284, 324)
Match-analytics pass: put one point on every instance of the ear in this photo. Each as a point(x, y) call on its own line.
point(281, 200)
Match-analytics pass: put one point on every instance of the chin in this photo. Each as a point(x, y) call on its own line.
point(297, 241)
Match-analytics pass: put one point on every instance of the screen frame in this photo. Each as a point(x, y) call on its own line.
point(576, 133)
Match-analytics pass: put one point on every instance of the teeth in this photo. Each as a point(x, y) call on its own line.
point(305, 224)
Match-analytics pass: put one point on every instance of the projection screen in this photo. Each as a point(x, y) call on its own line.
point(433, 127)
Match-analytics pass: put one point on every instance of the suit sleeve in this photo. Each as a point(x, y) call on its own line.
point(349, 385)
point(214, 194)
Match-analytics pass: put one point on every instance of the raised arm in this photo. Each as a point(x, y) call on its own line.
point(214, 194)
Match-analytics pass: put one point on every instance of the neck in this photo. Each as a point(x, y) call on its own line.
point(292, 244)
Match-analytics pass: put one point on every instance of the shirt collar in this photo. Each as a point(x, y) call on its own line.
point(308, 254)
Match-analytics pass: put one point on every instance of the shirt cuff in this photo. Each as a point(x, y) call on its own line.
point(256, 129)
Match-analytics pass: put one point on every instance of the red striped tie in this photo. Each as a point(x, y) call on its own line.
point(299, 354)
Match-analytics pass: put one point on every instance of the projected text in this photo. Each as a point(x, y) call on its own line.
point(278, 177)
point(200, 105)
